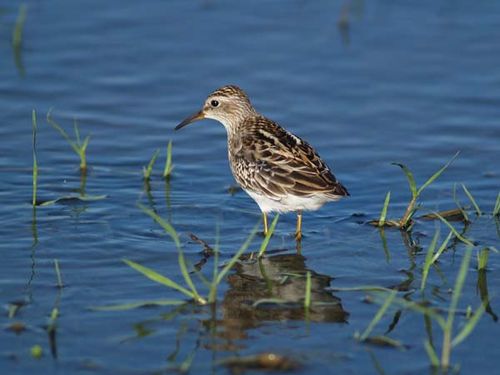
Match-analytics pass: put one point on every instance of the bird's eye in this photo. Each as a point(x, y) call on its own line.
point(214, 103)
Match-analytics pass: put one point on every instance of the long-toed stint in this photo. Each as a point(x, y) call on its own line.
point(280, 171)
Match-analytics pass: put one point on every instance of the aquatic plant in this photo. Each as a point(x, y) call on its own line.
point(191, 290)
point(431, 257)
point(268, 236)
point(462, 209)
point(79, 147)
point(35, 161)
point(447, 326)
point(496, 209)
point(376, 319)
point(167, 171)
point(146, 171)
point(454, 231)
point(383, 214)
point(449, 340)
point(17, 32)
point(406, 222)
point(472, 200)
point(54, 315)
point(482, 259)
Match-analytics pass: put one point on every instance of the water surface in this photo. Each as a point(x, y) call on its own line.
point(366, 83)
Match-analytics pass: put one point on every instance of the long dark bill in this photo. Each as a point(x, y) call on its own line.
point(197, 116)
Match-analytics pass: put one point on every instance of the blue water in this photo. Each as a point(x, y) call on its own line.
point(412, 83)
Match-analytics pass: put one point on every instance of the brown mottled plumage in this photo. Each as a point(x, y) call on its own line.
point(280, 171)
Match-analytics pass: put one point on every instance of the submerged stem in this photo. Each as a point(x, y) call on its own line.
point(403, 223)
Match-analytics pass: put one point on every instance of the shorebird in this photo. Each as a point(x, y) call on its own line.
point(280, 171)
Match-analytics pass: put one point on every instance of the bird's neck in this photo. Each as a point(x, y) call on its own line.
point(235, 124)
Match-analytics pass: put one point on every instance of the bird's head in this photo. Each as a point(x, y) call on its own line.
point(229, 105)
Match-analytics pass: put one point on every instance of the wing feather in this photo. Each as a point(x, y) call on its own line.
point(278, 163)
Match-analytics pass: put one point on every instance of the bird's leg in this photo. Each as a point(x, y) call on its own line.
point(298, 231)
point(264, 218)
point(298, 247)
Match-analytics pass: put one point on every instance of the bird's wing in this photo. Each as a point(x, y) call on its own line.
point(283, 164)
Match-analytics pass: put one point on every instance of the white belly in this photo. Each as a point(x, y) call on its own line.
point(290, 202)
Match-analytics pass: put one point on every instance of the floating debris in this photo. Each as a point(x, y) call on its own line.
point(17, 327)
point(265, 361)
point(455, 214)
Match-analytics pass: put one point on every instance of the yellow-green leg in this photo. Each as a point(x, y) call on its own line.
point(264, 218)
point(298, 231)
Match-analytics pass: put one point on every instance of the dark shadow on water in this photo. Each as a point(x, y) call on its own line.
point(149, 195)
point(482, 287)
point(168, 200)
point(277, 277)
point(15, 306)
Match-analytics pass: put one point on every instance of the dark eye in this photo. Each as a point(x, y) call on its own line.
point(214, 103)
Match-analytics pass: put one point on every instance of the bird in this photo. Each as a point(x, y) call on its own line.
point(279, 170)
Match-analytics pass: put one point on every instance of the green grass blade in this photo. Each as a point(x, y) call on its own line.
point(376, 364)
point(421, 309)
point(85, 143)
point(83, 151)
point(212, 295)
point(186, 364)
point(469, 327)
point(384, 245)
point(236, 256)
point(482, 258)
point(383, 214)
point(428, 259)
point(431, 353)
point(472, 200)
point(496, 209)
point(307, 298)
point(149, 169)
point(168, 163)
point(166, 226)
point(35, 161)
point(17, 33)
point(442, 248)
point(452, 228)
point(380, 313)
point(268, 236)
point(63, 133)
point(77, 132)
point(459, 283)
point(187, 277)
point(410, 178)
point(156, 277)
point(437, 174)
point(457, 289)
point(54, 314)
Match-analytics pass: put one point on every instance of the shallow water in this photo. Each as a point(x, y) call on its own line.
point(412, 83)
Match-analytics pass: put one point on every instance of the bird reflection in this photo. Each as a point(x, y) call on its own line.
point(273, 289)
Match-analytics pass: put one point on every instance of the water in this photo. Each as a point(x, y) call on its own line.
point(412, 83)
